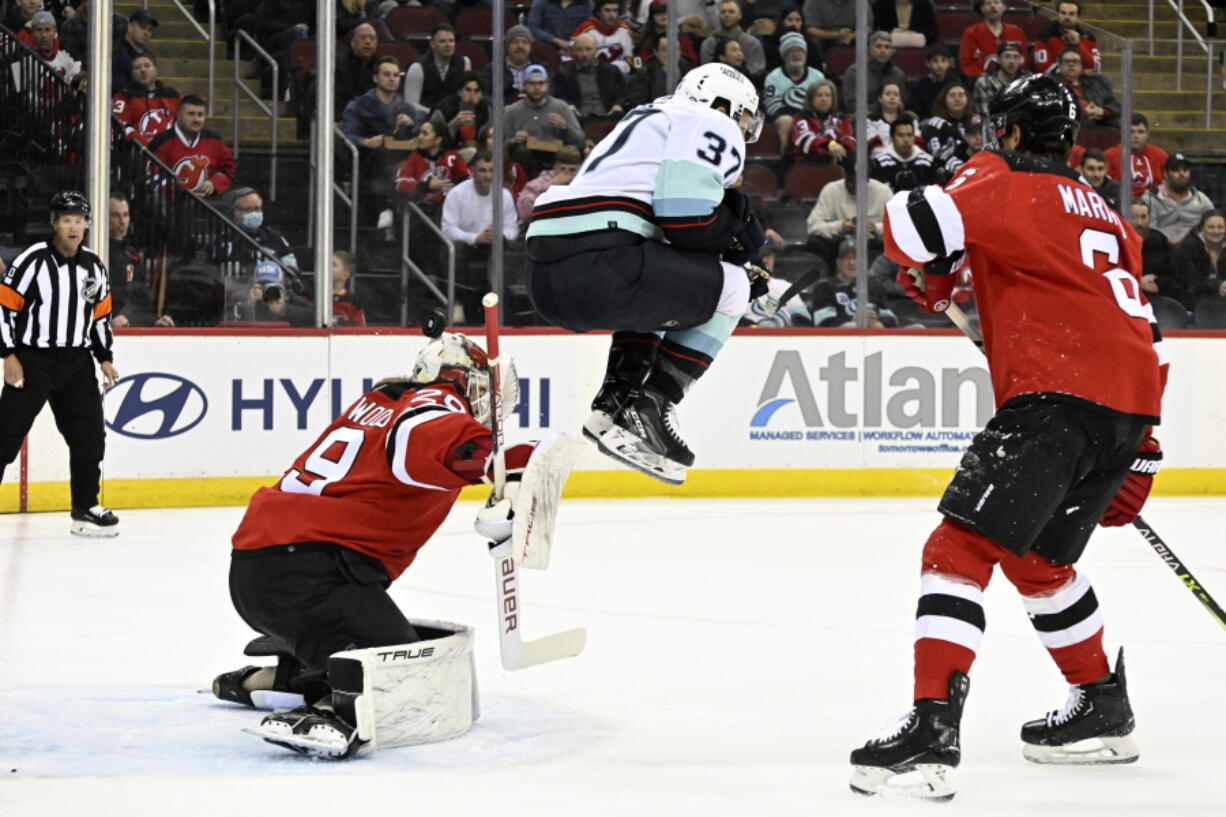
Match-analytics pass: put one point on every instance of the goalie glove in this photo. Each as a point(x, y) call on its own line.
point(1133, 492)
point(932, 288)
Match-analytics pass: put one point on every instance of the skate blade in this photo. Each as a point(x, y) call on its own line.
point(1089, 752)
point(927, 781)
point(92, 531)
point(621, 445)
point(302, 744)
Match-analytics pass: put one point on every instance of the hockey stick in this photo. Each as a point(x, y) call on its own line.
point(516, 653)
point(1160, 547)
point(773, 305)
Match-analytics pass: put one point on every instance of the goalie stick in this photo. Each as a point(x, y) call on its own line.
point(516, 653)
point(1160, 547)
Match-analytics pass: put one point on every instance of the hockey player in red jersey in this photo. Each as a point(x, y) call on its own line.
point(315, 553)
point(1078, 371)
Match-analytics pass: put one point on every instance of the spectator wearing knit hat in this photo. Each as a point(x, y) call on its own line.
point(792, 21)
point(41, 37)
point(1010, 64)
point(518, 58)
point(786, 86)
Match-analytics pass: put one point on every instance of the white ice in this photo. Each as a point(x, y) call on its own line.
point(737, 651)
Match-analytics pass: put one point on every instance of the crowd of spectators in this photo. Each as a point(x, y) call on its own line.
point(572, 68)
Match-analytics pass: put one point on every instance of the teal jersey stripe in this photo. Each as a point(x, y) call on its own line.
point(686, 189)
point(594, 221)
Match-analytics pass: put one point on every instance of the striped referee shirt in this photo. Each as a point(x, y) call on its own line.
point(48, 301)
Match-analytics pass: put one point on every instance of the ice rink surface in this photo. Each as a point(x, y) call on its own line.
point(737, 651)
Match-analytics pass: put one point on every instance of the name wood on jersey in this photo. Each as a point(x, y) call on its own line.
point(370, 414)
point(1078, 202)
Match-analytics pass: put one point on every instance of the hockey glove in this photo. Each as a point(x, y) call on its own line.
point(932, 288)
point(1131, 496)
point(759, 281)
point(748, 237)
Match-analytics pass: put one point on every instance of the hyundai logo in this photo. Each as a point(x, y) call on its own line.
point(154, 405)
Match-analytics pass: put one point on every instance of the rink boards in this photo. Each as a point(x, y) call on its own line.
point(204, 419)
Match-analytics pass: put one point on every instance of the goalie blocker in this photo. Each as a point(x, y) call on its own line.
point(383, 697)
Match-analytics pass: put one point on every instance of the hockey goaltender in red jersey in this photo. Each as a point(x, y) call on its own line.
point(315, 554)
point(1078, 371)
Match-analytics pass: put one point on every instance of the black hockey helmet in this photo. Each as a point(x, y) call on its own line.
point(1041, 105)
point(68, 202)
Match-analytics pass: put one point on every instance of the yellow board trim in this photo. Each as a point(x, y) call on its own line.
point(762, 483)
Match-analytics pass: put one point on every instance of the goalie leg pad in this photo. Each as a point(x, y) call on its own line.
point(408, 693)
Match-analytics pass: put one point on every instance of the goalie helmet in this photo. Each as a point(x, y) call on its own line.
point(1042, 106)
point(456, 358)
point(715, 83)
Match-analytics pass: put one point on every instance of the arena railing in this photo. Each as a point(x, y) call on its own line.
point(409, 267)
point(350, 198)
point(209, 35)
point(241, 89)
point(42, 138)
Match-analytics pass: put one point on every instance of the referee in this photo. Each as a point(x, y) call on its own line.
point(55, 308)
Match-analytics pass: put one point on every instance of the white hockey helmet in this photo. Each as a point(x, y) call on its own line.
point(455, 357)
point(714, 82)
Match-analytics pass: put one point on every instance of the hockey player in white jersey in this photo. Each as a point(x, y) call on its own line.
point(650, 240)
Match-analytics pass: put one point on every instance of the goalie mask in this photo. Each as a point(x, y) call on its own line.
point(718, 84)
point(456, 358)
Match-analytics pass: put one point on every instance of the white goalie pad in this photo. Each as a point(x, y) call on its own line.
point(408, 693)
point(540, 493)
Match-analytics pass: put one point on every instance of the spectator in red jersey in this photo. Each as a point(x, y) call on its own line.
point(347, 310)
point(514, 177)
point(613, 36)
point(823, 132)
point(563, 171)
point(42, 37)
point(429, 173)
point(1065, 32)
point(1094, 98)
point(977, 52)
point(1148, 161)
point(146, 107)
point(656, 25)
point(197, 157)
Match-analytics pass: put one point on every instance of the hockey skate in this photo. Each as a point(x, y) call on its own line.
point(310, 731)
point(641, 433)
point(915, 755)
point(1094, 726)
point(96, 522)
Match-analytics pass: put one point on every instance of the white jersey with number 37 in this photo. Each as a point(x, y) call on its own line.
point(664, 162)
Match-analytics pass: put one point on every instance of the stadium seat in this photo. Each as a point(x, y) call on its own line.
point(807, 181)
point(1170, 313)
point(476, 23)
point(760, 181)
point(546, 55)
point(1094, 137)
point(402, 51)
point(381, 31)
point(1211, 313)
point(837, 60)
point(599, 129)
point(1030, 23)
point(475, 53)
point(414, 22)
point(912, 61)
point(951, 24)
point(789, 221)
point(767, 146)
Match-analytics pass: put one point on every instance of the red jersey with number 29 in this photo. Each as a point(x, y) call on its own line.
point(378, 479)
point(1056, 278)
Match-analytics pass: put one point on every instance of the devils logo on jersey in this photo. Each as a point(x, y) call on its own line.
point(191, 171)
point(154, 122)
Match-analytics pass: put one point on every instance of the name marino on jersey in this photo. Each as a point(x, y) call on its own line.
point(1087, 204)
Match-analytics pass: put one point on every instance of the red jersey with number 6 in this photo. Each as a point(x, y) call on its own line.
point(1056, 277)
point(380, 479)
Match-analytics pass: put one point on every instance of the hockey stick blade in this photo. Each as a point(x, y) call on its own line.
point(1153, 539)
point(517, 653)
